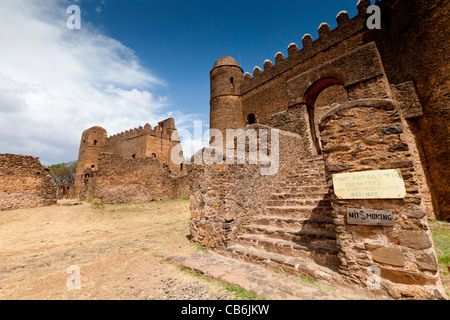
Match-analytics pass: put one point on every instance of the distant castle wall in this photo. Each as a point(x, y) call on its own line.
point(153, 145)
point(24, 183)
point(119, 180)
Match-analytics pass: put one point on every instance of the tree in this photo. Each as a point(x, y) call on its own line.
point(63, 174)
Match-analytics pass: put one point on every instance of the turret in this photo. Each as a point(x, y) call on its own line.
point(92, 143)
point(225, 105)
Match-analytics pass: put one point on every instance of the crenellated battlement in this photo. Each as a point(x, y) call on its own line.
point(346, 27)
point(159, 131)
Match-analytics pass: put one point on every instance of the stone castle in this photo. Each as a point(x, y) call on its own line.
point(135, 165)
point(353, 100)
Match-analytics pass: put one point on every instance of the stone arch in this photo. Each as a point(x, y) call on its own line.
point(310, 97)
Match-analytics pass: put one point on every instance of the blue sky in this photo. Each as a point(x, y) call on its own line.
point(131, 63)
point(179, 41)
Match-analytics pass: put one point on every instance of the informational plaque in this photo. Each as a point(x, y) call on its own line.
point(377, 184)
point(370, 217)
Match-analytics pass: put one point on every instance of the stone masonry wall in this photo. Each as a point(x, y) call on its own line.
point(224, 197)
point(119, 180)
point(137, 143)
point(412, 45)
point(368, 135)
point(24, 183)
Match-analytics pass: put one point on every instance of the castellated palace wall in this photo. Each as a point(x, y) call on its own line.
point(135, 165)
point(353, 104)
point(24, 183)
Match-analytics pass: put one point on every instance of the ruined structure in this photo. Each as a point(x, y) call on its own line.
point(135, 165)
point(353, 100)
point(24, 183)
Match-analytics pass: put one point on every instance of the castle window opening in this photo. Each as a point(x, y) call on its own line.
point(95, 142)
point(251, 118)
point(181, 167)
point(93, 166)
point(134, 156)
point(154, 155)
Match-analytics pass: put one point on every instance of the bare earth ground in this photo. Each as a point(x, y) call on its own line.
point(118, 248)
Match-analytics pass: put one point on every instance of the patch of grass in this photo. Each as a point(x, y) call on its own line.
point(239, 292)
point(185, 198)
point(441, 237)
point(96, 203)
point(310, 281)
point(202, 248)
point(314, 282)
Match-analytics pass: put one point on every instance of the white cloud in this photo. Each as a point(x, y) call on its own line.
point(56, 82)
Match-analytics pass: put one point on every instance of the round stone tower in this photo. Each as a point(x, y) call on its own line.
point(225, 105)
point(92, 143)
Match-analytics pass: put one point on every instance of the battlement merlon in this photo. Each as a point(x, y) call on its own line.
point(346, 27)
point(164, 129)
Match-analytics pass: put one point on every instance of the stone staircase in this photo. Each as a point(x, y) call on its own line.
point(295, 233)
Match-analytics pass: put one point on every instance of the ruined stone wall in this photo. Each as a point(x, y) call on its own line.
point(119, 180)
point(24, 183)
point(368, 135)
point(138, 143)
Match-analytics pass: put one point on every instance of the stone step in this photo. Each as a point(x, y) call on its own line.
point(288, 222)
point(299, 184)
point(308, 236)
point(305, 177)
point(318, 159)
point(299, 171)
point(303, 189)
point(294, 265)
point(298, 195)
point(319, 164)
point(299, 202)
point(305, 172)
point(298, 212)
point(289, 187)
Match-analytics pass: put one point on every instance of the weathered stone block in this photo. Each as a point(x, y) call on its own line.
point(405, 277)
point(415, 239)
point(388, 255)
point(392, 130)
point(427, 261)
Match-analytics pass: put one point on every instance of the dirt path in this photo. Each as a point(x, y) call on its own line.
point(117, 250)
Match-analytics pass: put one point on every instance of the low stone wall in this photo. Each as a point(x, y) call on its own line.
point(368, 135)
point(119, 180)
point(24, 183)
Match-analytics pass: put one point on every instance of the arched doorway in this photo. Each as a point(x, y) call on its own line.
point(319, 98)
